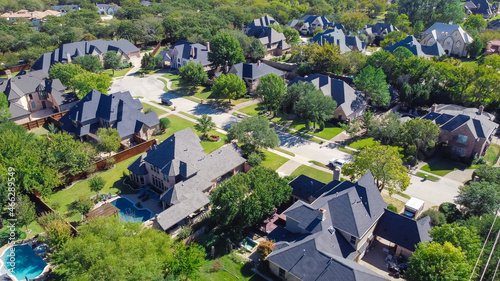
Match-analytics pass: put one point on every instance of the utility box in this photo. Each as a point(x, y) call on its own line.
point(413, 208)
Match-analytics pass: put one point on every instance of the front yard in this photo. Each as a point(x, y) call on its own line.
point(442, 167)
point(362, 143)
point(146, 106)
point(314, 173)
point(272, 160)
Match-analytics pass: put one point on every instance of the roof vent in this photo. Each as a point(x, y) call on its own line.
point(331, 230)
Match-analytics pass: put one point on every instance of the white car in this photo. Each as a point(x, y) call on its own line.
point(338, 162)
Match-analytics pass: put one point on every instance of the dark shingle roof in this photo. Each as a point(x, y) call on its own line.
point(416, 48)
point(309, 19)
point(254, 70)
point(379, 28)
point(494, 24)
point(403, 231)
point(262, 21)
point(305, 187)
point(267, 35)
point(183, 49)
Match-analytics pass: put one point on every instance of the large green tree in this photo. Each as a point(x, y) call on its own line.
point(295, 92)
point(478, 198)
point(229, 86)
point(89, 63)
point(431, 11)
point(419, 135)
point(24, 211)
point(464, 238)
point(326, 58)
point(384, 163)
point(85, 81)
point(65, 72)
point(4, 108)
point(272, 89)
point(109, 139)
point(150, 62)
point(315, 107)
point(193, 74)
point(112, 60)
point(224, 48)
point(393, 37)
point(372, 81)
point(292, 36)
point(253, 132)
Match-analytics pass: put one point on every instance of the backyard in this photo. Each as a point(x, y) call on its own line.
point(314, 173)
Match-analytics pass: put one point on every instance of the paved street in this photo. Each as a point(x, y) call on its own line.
point(433, 193)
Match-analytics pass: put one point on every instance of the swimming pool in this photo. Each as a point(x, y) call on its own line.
point(129, 212)
point(23, 261)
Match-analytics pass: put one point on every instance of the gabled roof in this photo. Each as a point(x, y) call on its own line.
point(416, 48)
point(30, 15)
point(403, 231)
point(71, 50)
point(308, 189)
point(441, 31)
point(379, 28)
point(494, 24)
point(63, 7)
point(119, 109)
point(262, 21)
point(184, 49)
point(343, 94)
point(332, 36)
point(309, 19)
point(17, 111)
point(108, 6)
point(29, 82)
point(451, 117)
point(253, 70)
point(479, 7)
point(267, 35)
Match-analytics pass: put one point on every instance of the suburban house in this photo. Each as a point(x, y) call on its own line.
point(35, 17)
point(452, 38)
point(336, 36)
point(350, 103)
point(252, 72)
point(308, 23)
point(327, 236)
point(107, 9)
point(184, 175)
point(492, 47)
point(32, 95)
point(411, 43)
point(67, 52)
point(378, 31)
point(182, 52)
point(494, 24)
point(480, 7)
point(64, 9)
point(119, 111)
point(466, 131)
point(274, 41)
point(260, 22)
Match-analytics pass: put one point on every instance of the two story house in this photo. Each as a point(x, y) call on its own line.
point(378, 31)
point(337, 37)
point(119, 111)
point(67, 52)
point(308, 23)
point(32, 95)
point(183, 52)
point(480, 7)
point(107, 9)
point(64, 9)
point(466, 131)
point(184, 175)
point(260, 22)
point(452, 38)
point(350, 103)
point(324, 238)
point(411, 43)
point(252, 72)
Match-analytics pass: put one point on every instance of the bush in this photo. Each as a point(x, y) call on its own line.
point(488, 174)
point(164, 123)
point(304, 69)
point(393, 208)
point(84, 204)
point(478, 160)
point(47, 218)
point(450, 211)
point(184, 232)
point(56, 205)
point(437, 218)
point(217, 265)
point(254, 159)
point(110, 161)
point(148, 110)
point(265, 248)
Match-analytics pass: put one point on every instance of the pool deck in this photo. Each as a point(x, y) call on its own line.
point(149, 204)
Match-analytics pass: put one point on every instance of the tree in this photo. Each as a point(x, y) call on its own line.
point(24, 211)
point(193, 74)
point(205, 125)
point(431, 11)
point(393, 37)
point(434, 262)
point(276, 27)
point(451, 212)
point(58, 233)
point(478, 198)
point(96, 184)
point(384, 163)
point(292, 36)
point(352, 128)
point(86, 81)
point(372, 82)
point(186, 260)
point(354, 21)
point(112, 60)
point(109, 139)
point(245, 198)
point(265, 248)
point(385, 129)
point(89, 63)
point(164, 123)
point(315, 107)
point(475, 23)
point(150, 62)
point(326, 58)
point(437, 218)
point(255, 50)
point(487, 174)
point(253, 132)
point(4, 108)
point(295, 92)
point(475, 48)
point(401, 53)
point(420, 133)
point(318, 30)
point(83, 204)
point(65, 73)
point(463, 238)
point(224, 48)
point(272, 89)
point(229, 86)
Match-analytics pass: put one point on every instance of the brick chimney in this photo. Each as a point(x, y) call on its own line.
point(481, 109)
point(321, 214)
point(434, 107)
point(192, 52)
point(8, 73)
point(208, 46)
point(336, 173)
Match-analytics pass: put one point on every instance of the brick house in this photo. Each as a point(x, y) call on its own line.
point(308, 23)
point(274, 41)
point(252, 72)
point(452, 38)
point(466, 131)
point(183, 52)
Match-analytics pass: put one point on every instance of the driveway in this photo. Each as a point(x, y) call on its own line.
point(433, 193)
point(148, 87)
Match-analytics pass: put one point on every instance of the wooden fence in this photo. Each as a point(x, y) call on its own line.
point(42, 207)
point(15, 68)
point(40, 122)
point(156, 49)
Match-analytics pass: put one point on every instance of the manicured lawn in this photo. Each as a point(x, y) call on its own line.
point(443, 167)
point(252, 110)
point(429, 177)
point(174, 78)
point(347, 150)
point(272, 160)
point(158, 111)
point(34, 226)
point(362, 143)
point(400, 205)
point(118, 73)
point(317, 163)
point(40, 131)
point(327, 133)
point(284, 151)
point(242, 270)
point(492, 154)
point(178, 123)
point(188, 115)
point(313, 173)
point(114, 185)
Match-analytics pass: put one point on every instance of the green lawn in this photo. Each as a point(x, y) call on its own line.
point(284, 151)
point(492, 154)
point(272, 160)
point(118, 73)
point(317, 163)
point(178, 123)
point(252, 110)
point(114, 184)
point(34, 226)
point(158, 111)
point(429, 177)
point(40, 131)
point(362, 143)
point(240, 269)
point(400, 205)
point(174, 78)
point(347, 150)
point(313, 173)
point(188, 115)
point(327, 133)
point(443, 167)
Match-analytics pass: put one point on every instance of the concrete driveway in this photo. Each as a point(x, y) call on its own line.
point(148, 87)
point(433, 193)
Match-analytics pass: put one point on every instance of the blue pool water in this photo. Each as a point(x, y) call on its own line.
point(25, 262)
point(129, 212)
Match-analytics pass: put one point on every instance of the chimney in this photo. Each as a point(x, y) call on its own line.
point(258, 63)
point(192, 52)
point(336, 173)
point(481, 109)
point(434, 107)
point(208, 47)
point(226, 67)
point(321, 214)
point(7, 72)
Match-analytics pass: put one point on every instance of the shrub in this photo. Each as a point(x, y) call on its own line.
point(217, 265)
point(450, 211)
point(265, 248)
point(184, 232)
point(56, 205)
point(254, 159)
point(478, 160)
point(110, 161)
point(393, 208)
point(148, 110)
point(84, 204)
point(58, 233)
point(437, 218)
point(164, 123)
point(47, 218)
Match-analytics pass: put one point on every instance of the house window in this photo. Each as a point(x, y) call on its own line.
point(282, 273)
point(33, 105)
point(31, 96)
point(353, 240)
point(142, 179)
point(459, 150)
point(462, 139)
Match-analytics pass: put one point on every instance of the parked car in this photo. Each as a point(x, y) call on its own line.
point(337, 162)
point(166, 101)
